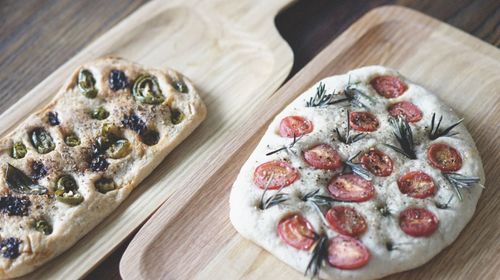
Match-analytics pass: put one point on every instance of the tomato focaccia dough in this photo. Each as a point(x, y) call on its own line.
point(382, 211)
point(66, 167)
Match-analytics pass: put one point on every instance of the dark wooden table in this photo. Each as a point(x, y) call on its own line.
point(37, 36)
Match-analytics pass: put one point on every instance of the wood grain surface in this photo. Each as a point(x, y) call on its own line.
point(455, 66)
point(37, 36)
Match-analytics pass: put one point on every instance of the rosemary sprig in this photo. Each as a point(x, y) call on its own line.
point(321, 98)
point(318, 199)
point(459, 181)
point(357, 97)
point(403, 133)
point(319, 254)
point(287, 148)
point(444, 206)
point(435, 132)
point(347, 138)
point(358, 168)
point(274, 199)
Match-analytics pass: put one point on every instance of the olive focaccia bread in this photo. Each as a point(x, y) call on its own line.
point(66, 167)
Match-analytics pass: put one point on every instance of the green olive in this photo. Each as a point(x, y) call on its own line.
point(176, 116)
point(18, 150)
point(19, 182)
point(72, 140)
point(99, 113)
point(150, 137)
point(180, 86)
point(86, 83)
point(108, 128)
point(119, 149)
point(42, 140)
point(105, 185)
point(67, 191)
point(147, 90)
point(43, 226)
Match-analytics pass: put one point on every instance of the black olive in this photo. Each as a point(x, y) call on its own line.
point(14, 206)
point(39, 170)
point(117, 80)
point(53, 119)
point(10, 247)
point(135, 123)
point(150, 137)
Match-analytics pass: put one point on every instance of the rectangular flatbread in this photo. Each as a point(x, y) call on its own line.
point(68, 166)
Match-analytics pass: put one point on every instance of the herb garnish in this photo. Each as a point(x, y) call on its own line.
point(435, 132)
point(321, 98)
point(357, 168)
point(347, 138)
point(319, 254)
point(274, 199)
point(444, 206)
point(459, 181)
point(403, 133)
point(353, 95)
point(287, 148)
point(317, 199)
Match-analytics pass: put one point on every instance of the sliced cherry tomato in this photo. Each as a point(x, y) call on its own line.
point(389, 86)
point(377, 162)
point(283, 174)
point(418, 222)
point(363, 121)
point(323, 156)
point(351, 187)
point(295, 126)
point(409, 111)
point(347, 253)
point(346, 220)
point(297, 232)
point(444, 157)
point(417, 184)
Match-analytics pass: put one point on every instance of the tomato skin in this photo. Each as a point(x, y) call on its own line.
point(363, 121)
point(351, 188)
point(444, 157)
point(346, 220)
point(323, 156)
point(389, 86)
point(409, 111)
point(347, 253)
point(377, 162)
point(297, 232)
point(295, 126)
point(417, 184)
point(418, 222)
point(283, 174)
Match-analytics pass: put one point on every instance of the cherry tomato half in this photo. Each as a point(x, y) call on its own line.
point(346, 220)
point(444, 157)
point(363, 121)
point(297, 232)
point(418, 222)
point(295, 126)
point(323, 156)
point(351, 187)
point(417, 184)
point(283, 174)
point(409, 111)
point(389, 86)
point(347, 253)
point(377, 162)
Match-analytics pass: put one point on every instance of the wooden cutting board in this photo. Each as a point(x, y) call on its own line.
point(233, 53)
point(195, 240)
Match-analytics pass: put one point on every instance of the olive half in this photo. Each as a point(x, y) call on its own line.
point(147, 90)
point(67, 191)
point(42, 141)
point(119, 149)
point(86, 83)
point(176, 116)
point(105, 185)
point(72, 140)
point(18, 150)
point(43, 226)
point(180, 86)
point(19, 182)
point(99, 113)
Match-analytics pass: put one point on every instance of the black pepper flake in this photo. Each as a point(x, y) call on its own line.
point(53, 119)
point(117, 80)
point(38, 170)
point(10, 247)
point(14, 206)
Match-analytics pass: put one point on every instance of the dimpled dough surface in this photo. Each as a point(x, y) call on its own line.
point(260, 226)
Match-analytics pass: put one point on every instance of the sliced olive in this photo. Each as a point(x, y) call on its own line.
point(119, 149)
point(19, 182)
point(108, 128)
point(105, 185)
point(67, 191)
point(180, 86)
point(18, 150)
point(72, 140)
point(43, 226)
point(42, 140)
point(86, 83)
point(99, 113)
point(147, 90)
point(150, 137)
point(177, 116)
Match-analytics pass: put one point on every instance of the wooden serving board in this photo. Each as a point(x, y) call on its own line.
point(233, 53)
point(195, 240)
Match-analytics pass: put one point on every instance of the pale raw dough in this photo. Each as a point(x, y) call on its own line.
point(260, 225)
